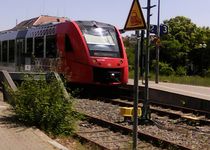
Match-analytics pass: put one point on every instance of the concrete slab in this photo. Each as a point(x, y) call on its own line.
point(188, 90)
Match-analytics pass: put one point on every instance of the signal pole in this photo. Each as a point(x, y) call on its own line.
point(145, 109)
point(142, 54)
point(157, 46)
point(136, 93)
point(135, 22)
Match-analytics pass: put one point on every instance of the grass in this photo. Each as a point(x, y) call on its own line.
point(190, 80)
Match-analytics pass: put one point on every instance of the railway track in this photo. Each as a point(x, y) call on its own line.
point(104, 135)
point(124, 97)
point(171, 107)
point(174, 127)
point(168, 99)
point(173, 112)
point(115, 141)
point(161, 134)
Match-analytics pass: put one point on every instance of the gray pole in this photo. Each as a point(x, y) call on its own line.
point(145, 109)
point(142, 54)
point(136, 94)
point(157, 46)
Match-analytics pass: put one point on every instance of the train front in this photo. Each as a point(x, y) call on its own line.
point(107, 54)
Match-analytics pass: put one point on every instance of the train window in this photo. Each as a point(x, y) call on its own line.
point(29, 45)
point(101, 42)
point(20, 48)
point(4, 51)
point(39, 47)
point(51, 49)
point(11, 51)
point(68, 46)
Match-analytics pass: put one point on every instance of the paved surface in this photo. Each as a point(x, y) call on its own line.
point(14, 136)
point(189, 90)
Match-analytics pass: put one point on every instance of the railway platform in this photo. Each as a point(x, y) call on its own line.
point(195, 98)
point(188, 90)
point(18, 137)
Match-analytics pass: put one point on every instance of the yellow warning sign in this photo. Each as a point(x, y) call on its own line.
point(135, 18)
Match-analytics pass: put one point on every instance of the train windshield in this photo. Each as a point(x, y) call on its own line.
point(102, 41)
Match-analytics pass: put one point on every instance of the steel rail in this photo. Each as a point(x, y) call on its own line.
point(143, 136)
point(173, 114)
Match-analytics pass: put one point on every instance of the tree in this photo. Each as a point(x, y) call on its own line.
point(181, 47)
point(182, 44)
point(130, 47)
point(200, 55)
point(179, 42)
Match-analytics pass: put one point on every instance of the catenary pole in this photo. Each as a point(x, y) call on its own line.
point(136, 93)
point(145, 109)
point(157, 46)
point(142, 54)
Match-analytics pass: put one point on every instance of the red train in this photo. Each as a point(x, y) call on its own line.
point(86, 52)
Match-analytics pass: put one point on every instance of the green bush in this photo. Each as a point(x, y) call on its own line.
point(208, 73)
point(39, 103)
point(181, 71)
point(165, 69)
point(205, 72)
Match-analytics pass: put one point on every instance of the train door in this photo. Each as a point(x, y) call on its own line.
point(19, 53)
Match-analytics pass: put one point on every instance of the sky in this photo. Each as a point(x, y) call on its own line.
point(109, 11)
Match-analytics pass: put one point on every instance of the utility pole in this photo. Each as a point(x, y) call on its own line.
point(157, 46)
point(145, 109)
point(142, 54)
point(135, 22)
point(136, 93)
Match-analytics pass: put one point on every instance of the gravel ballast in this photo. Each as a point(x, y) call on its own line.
point(195, 137)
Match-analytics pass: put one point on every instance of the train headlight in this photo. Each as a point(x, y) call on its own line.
point(112, 75)
point(94, 61)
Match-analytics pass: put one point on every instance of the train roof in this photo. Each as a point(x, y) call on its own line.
point(37, 21)
point(32, 27)
point(42, 25)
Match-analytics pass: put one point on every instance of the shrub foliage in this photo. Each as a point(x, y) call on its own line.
point(165, 69)
point(181, 71)
point(39, 103)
